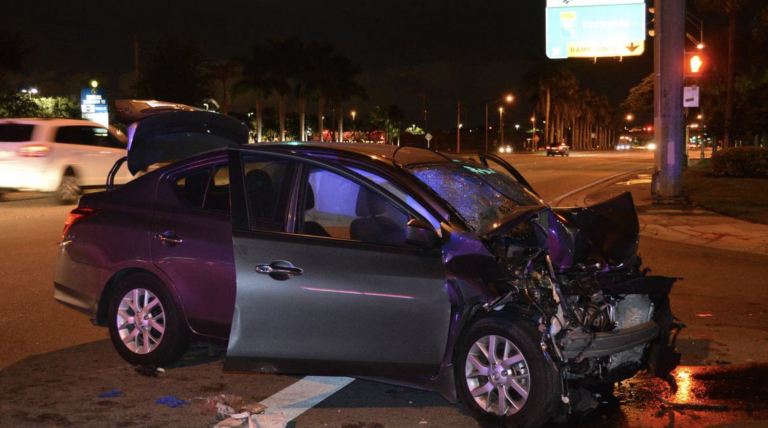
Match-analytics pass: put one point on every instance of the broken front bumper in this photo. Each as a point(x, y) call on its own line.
point(579, 344)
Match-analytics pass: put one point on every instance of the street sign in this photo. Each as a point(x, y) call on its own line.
point(595, 28)
point(579, 3)
point(691, 96)
point(428, 137)
point(93, 105)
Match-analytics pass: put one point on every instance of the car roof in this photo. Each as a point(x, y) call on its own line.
point(388, 154)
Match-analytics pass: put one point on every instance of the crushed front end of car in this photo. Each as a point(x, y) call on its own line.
point(602, 318)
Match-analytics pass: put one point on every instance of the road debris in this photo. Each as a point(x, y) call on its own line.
point(111, 394)
point(692, 406)
point(149, 370)
point(171, 401)
point(244, 419)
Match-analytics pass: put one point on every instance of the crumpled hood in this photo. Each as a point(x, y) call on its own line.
point(606, 233)
point(180, 134)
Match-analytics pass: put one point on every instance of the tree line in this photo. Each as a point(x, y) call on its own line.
point(577, 116)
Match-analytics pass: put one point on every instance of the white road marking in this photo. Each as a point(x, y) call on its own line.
point(303, 395)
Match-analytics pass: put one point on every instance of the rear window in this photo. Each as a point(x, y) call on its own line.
point(15, 133)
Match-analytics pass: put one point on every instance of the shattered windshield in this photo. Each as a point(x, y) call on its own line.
point(480, 195)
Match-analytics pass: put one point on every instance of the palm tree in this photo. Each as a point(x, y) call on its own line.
point(12, 53)
point(732, 8)
point(342, 88)
point(545, 78)
point(223, 72)
point(284, 59)
point(314, 58)
point(388, 119)
point(257, 78)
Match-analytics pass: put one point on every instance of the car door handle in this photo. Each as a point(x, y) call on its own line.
point(169, 238)
point(280, 270)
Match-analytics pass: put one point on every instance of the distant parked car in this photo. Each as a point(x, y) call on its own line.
point(58, 155)
point(558, 149)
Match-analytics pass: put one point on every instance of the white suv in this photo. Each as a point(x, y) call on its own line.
point(58, 155)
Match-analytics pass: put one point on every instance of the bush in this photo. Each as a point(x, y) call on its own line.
point(741, 162)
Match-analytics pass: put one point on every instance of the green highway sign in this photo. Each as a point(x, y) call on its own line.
point(595, 28)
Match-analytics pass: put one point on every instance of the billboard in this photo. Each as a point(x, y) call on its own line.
point(595, 28)
point(93, 105)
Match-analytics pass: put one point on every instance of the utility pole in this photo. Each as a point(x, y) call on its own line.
point(669, 52)
point(458, 128)
point(486, 127)
point(136, 62)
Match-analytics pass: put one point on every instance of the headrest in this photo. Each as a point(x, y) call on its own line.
point(258, 181)
point(309, 202)
point(369, 204)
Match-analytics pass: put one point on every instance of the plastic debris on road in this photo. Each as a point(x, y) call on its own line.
point(111, 394)
point(210, 405)
point(171, 401)
point(276, 420)
point(148, 371)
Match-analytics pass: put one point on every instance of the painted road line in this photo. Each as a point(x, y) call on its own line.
point(303, 395)
point(557, 200)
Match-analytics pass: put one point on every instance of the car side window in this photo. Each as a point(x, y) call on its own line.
point(207, 189)
point(82, 135)
point(217, 196)
point(193, 187)
point(267, 191)
point(102, 138)
point(337, 207)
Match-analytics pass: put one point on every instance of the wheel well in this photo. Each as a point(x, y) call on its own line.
point(109, 288)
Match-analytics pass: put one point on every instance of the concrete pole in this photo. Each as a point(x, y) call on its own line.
point(669, 51)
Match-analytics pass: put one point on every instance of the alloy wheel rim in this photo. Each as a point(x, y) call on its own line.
point(497, 375)
point(141, 321)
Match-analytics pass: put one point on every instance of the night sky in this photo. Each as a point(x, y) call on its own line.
point(447, 49)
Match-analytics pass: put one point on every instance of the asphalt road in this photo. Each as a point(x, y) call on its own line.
point(53, 363)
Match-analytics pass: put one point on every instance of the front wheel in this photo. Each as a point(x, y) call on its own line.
point(503, 376)
point(144, 324)
point(69, 190)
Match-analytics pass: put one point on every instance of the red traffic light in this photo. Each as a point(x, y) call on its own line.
point(694, 64)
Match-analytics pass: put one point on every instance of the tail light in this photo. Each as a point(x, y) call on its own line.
point(34, 151)
point(77, 215)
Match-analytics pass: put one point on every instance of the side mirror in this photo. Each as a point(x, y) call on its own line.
point(419, 233)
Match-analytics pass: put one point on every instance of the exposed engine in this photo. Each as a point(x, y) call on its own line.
point(600, 322)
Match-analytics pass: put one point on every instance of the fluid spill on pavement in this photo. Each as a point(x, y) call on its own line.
point(704, 396)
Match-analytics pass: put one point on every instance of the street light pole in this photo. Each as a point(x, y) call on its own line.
point(458, 127)
point(486, 127)
point(501, 124)
point(509, 99)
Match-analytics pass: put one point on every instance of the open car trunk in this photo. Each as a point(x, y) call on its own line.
point(167, 134)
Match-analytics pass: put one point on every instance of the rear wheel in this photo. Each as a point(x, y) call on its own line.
point(69, 190)
point(144, 323)
point(502, 375)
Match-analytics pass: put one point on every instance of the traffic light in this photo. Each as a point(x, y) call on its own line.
point(695, 64)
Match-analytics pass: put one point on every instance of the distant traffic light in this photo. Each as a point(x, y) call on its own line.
point(695, 64)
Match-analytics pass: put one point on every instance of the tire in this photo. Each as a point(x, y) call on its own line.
point(532, 374)
point(69, 190)
point(164, 334)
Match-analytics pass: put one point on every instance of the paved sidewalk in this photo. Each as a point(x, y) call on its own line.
point(685, 224)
